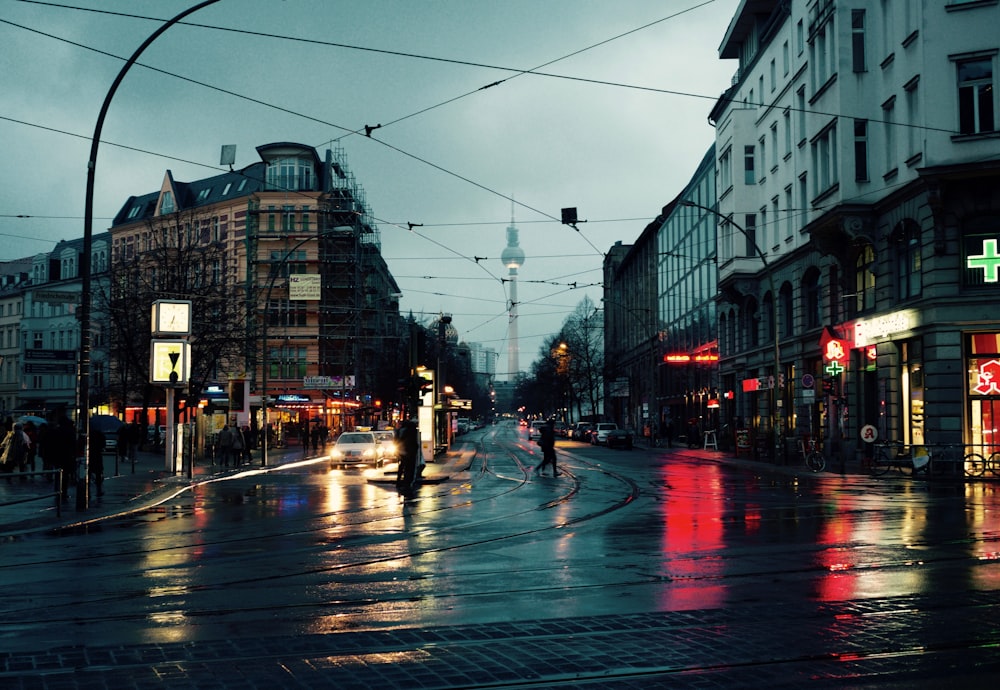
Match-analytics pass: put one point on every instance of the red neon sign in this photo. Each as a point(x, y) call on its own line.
point(684, 358)
point(834, 350)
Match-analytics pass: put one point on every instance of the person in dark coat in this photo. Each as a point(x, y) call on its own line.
point(408, 443)
point(96, 441)
point(547, 442)
point(57, 441)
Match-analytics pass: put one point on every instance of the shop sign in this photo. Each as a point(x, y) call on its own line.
point(869, 331)
point(987, 377)
point(989, 261)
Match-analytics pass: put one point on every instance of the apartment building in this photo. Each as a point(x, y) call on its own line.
point(857, 167)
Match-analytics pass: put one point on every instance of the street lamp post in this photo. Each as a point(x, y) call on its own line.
point(83, 373)
point(768, 271)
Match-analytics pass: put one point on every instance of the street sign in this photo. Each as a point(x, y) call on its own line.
point(869, 434)
point(317, 382)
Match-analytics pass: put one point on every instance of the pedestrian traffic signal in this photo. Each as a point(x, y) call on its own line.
point(424, 385)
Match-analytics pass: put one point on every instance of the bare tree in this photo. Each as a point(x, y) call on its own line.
point(177, 256)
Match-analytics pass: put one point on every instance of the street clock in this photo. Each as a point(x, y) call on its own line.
point(171, 317)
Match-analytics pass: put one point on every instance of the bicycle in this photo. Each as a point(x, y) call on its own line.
point(893, 454)
point(811, 457)
point(974, 464)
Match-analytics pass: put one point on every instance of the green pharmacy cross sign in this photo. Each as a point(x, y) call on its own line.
point(989, 261)
point(834, 368)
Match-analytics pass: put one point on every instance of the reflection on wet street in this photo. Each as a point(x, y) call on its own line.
point(314, 551)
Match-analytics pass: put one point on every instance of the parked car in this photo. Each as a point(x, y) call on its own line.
point(581, 431)
point(560, 428)
point(356, 448)
point(620, 438)
point(599, 434)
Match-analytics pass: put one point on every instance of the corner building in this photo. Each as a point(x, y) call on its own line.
point(857, 162)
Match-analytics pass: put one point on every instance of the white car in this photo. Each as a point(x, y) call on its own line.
point(387, 439)
point(535, 429)
point(600, 434)
point(357, 448)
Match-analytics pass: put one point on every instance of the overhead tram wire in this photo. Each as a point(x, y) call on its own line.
point(348, 130)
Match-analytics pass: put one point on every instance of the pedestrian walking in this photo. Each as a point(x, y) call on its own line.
point(225, 443)
point(547, 442)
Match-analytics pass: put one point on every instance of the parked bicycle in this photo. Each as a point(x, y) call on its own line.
point(898, 456)
point(811, 456)
point(977, 463)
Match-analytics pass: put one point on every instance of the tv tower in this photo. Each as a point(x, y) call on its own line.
point(512, 257)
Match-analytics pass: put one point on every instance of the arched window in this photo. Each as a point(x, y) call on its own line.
point(864, 280)
point(751, 323)
point(811, 311)
point(905, 243)
point(767, 318)
point(786, 307)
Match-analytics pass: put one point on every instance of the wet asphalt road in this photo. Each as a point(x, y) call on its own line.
point(633, 569)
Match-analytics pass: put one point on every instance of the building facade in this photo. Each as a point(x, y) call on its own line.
point(290, 289)
point(856, 156)
point(660, 342)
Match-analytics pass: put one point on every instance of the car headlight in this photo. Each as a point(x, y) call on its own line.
point(336, 453)
point(369, 453)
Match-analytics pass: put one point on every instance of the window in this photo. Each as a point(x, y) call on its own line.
point(801, 100)
point(824, 159)
point(800, 38)
point(789, 214)
point(763, 157)
point(905, 242)
point(291, 174)
point(913, 140)
point(864, 279)
point(861, 150)
point(858, 40)
point(786, 308)
point(975, 96)
point(810, 299)
point(287, 218)
point(788, 132)
point(889, 128)
point(752, 337)
point(774, 144)
point(226, 189)
point(749, 176)
point(167, 202)
point(750, 226)
point(774, 221)
point(203, 194)
point(785, 62)
point(725, 170)
point(774, 76)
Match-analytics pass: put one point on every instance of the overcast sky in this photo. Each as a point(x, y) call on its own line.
point(614, 127)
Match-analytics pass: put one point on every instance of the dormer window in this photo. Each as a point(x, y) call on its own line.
point(166, 203)
point(290, 174)
point(203, 194)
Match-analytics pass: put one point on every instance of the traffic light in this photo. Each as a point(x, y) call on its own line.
point(424, 386)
